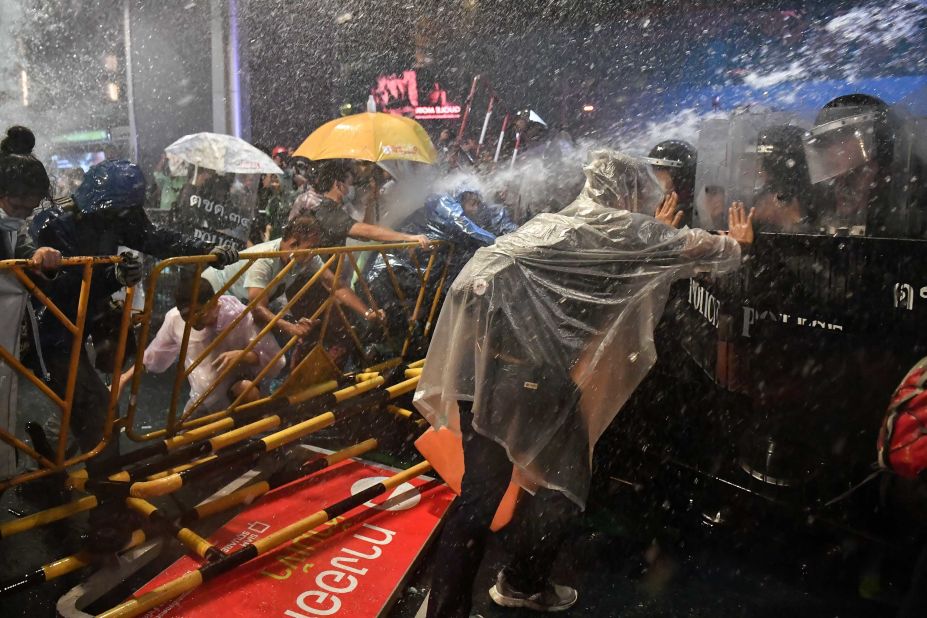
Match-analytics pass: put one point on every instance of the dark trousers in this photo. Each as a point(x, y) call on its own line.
point(915, 601)
point(88, 412)
point(540, 525)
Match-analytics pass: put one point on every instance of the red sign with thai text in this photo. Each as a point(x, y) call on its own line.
point(352, 566)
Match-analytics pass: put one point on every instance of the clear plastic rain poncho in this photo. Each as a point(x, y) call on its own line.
point(550, 330)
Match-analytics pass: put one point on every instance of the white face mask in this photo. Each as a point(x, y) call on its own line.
point(10, 224)
point(349, 196)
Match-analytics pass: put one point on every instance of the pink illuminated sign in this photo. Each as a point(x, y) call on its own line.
point(399, 94)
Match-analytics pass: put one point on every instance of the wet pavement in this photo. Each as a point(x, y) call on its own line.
point(705, 575)
point(612, 558)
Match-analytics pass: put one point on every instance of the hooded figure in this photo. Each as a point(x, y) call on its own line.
point(106, 212)
point(460, 217)
point(542, 338)
point(561, 310)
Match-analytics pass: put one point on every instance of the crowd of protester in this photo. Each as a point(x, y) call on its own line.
point(108, 210)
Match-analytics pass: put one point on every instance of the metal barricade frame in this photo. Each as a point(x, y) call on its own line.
point(337, 257)
point(77, 329)
point(340, 258)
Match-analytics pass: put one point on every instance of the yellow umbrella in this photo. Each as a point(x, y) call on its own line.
point(371, 136)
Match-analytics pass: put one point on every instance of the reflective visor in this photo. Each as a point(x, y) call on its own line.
point(661, 162)
point(834, 148)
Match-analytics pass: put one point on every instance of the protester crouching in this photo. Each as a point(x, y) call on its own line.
point(208, 320)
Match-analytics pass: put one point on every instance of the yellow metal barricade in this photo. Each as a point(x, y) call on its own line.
point(21, 270)
point(417, 309)
point(315, 366)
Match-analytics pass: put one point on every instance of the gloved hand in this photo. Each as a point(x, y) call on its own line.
point(130, 270)
point(226, 255)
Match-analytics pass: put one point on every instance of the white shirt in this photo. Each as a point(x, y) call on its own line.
point(261, 273)
point(163, 351)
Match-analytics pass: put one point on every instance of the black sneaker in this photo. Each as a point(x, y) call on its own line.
point(554, 598)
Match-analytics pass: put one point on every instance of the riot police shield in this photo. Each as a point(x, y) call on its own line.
point(757, 138)
point(218, 208)
point(711, 174)
point(854, 161)
point(754, 157)
point(674, 161)
point(907, 214)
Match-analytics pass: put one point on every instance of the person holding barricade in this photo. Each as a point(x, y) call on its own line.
point(103, 217)
point(336, 184)
point(303, 232)
point(24, 183)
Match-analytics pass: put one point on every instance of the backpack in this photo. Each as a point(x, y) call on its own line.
point(902, 442)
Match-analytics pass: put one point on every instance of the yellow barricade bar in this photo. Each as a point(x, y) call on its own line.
point(185, 425)
point(331, 311)
point(57, 461)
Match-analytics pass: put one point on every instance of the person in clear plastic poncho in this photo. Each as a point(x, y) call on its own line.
point(542, 339)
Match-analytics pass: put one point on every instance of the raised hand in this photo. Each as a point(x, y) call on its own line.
point(740, 224)
point(666, 212)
